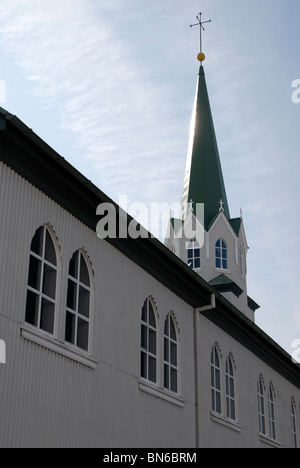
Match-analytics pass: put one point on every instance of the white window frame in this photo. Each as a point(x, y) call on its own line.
point(169, 344)
point(44, 264)
point(298, 415)
point(272, 413)
point(148, 332)
point(216, 391)
point(194, 260)
point(293, 414)
point(261, 407)
point(230, 392)
point(221, 258)
point(241, 262)
point(79, 286)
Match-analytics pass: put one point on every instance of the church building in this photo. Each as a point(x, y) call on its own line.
point(129, 342)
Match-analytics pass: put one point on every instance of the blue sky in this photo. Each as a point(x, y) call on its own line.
point(110, 84)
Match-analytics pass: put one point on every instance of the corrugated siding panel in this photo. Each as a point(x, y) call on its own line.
point(47, 399)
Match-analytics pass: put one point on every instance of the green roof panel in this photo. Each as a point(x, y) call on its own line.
point(203, 181)
point(224, 284)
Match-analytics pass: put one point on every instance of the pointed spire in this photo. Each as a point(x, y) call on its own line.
point(203, 181)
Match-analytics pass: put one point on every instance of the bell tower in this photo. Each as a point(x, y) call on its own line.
point(219, 254)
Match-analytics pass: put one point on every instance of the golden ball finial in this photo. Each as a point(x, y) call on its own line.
point(201, 57)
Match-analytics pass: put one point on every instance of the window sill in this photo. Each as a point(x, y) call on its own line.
point(226, 270)
point(37, 337)
point(218, 418)
point(266, 440)
point(158, 392)
point(195, 268)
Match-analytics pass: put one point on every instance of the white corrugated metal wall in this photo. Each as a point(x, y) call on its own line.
point(48, 399)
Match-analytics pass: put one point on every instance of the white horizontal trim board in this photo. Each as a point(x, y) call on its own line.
point(266, 440)
point(160, 393)
point(60, 348)
point(218, 418)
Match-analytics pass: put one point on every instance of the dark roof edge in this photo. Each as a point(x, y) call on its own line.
point(251, 336)
point(224, 284)
point(252, 304)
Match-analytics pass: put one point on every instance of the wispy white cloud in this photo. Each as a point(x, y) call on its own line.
point(83, 72)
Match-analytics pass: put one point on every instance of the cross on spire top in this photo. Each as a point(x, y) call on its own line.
point(201, 55)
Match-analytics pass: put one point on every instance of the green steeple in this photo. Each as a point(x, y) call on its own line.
point(203, 181)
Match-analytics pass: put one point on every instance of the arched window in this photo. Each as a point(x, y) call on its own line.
point(2, 352)
point(170, 355)
point(215, 381)
point(230, 390)
point(78, 302)
point(241, 261)
point(293, 423)
point(271, 408)
point(221, 254)
point(41, 288)
point(298, 418)
point(148, 342)
point(261, 406)
point(193, 254)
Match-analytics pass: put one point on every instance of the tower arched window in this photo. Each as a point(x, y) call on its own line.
point(193, 254)
point(261, 406)
point(215, 380)
point(170, 355)
point(241, 261)
point(230, 389)
point(221, 254)
point(42, 278)
point(78, 302)
point(148, 342)
point(272, 415)
point(293, 423)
